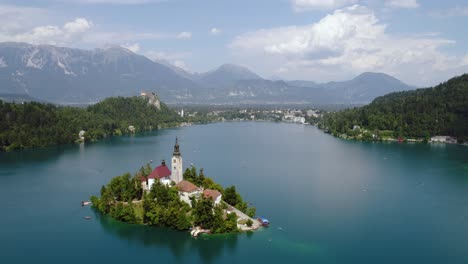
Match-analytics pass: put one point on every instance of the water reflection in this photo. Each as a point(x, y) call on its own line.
point(181, 245)
point(27, 157)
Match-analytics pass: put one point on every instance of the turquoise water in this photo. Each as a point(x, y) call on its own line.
point(329, 200)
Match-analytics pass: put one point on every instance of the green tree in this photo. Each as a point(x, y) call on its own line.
point(203, 213)
point(230, 196)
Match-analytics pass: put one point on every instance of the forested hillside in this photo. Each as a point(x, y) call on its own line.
point(422, 113)
point(35, 124)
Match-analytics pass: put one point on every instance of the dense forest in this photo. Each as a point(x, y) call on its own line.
point(123, 199)
point(32, 124)
point(419, 114)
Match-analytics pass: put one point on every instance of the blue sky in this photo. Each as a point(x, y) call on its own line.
point(421, 42)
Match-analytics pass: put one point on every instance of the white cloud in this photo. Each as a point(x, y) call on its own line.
point(78, 25)
point(3, 64)
point(215, 31)
point(51, 34)
point(135, 47)
point(465, 60)
point(342, 44)
point(14, 19)
point(302, 5)
point(33, 25)
point(181, 64)
point(184, 35)
point(173, 58)
point(402, 3)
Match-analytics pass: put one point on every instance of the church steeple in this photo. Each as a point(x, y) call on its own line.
point(176, 148)
point(177, 173)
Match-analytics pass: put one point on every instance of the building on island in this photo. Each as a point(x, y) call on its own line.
point(213, 194)
point(177, 173)
point(188, 190)
point(163, 174)
point(160, 173)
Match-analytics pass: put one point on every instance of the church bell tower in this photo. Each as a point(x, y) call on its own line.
point(176, 174)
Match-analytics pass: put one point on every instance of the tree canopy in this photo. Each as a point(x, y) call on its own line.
point(123, 199)
point(32, 124)
point(422, 113)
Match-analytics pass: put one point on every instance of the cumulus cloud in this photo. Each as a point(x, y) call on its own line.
point(50, 34)
point(402, 3)
point(180, 64)
point(215, 31)
point(33, 25)
point(347, 42)
point(135, 47)
point(184, 35)
point(176, 59)
point(78, 25)
point(302, 5)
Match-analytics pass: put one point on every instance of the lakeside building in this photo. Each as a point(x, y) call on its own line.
point(213, 194)
point(443, 139)
point(163, 174)
point(177, 172)
point(160, 173)
point(188, 190)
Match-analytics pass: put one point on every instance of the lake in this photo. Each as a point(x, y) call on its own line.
point(328, 200)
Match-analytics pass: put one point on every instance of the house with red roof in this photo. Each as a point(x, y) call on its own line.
point(163, 174)
point(213, 194)
point(160, 173)
point(188, 190)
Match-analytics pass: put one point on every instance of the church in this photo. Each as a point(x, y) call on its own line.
point(187, 190)
point(163, 174)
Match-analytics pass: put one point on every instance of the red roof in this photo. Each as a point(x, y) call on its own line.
point(186, 186)
point(160, 172)
point(213, 194)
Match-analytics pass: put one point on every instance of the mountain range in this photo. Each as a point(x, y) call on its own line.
point(68, 75)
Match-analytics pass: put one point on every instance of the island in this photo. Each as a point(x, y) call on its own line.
point(183, 200)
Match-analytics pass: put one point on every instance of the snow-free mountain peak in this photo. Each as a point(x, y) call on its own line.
point(227, 74)
point(66, 75)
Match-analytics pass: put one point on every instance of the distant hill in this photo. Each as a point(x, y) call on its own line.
point(225, 74)
point(365, 87)
point(222, 86)
point(301, 83)
point(71, 76)
point(33, 124)
point(19, 98)
point(422, 113)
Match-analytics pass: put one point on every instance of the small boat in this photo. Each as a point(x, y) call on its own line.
point(87, 217)
point(263, 221)
point(83, 203)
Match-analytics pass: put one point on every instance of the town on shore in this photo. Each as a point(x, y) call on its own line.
point(305, 116)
